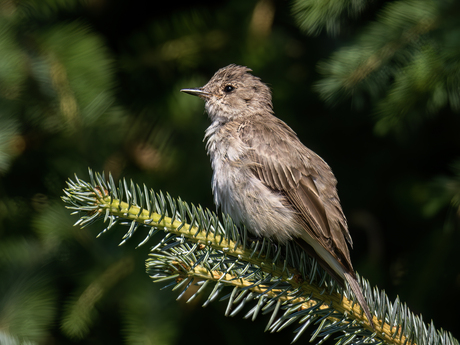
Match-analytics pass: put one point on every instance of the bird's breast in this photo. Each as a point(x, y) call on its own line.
point(229, 171)
point(240, 194)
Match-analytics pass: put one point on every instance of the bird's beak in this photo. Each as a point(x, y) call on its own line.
point(197, 92)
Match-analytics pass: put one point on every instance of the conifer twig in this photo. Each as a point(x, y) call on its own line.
point(270, 279)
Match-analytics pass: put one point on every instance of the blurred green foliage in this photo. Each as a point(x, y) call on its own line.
point(95, 83)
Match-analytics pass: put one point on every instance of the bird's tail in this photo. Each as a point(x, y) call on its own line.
point(353, 282)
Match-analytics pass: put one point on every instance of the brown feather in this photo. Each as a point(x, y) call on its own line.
point(312, 195)
point(286, 173)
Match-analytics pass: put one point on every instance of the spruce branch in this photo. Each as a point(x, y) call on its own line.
point(314, 16)
point(268, 278)
point(398, 30)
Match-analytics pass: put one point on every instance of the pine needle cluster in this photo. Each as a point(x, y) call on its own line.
point(198, 254)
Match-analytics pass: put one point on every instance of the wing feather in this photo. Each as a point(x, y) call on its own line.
point(293, 171)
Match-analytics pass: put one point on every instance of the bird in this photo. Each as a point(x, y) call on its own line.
point(266, 179)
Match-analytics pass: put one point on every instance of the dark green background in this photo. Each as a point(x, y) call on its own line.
point(404, 229)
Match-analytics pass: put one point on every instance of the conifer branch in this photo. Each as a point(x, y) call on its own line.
point(278, 280)
point(400, 26)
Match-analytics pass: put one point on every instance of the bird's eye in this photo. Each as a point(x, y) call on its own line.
point(229, 88)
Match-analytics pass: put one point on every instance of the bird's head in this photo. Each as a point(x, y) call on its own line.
point(234, 92)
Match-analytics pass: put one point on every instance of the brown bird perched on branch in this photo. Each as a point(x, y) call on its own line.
point(266, 179)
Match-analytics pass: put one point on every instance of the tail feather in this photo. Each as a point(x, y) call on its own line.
point(353, 282)
point(336, 271)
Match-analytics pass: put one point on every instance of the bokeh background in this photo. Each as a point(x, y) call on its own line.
point(373, 87)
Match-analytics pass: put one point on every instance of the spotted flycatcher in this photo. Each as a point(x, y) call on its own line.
point(266, 179)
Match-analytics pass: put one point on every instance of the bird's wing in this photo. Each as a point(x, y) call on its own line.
point(282, 163)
